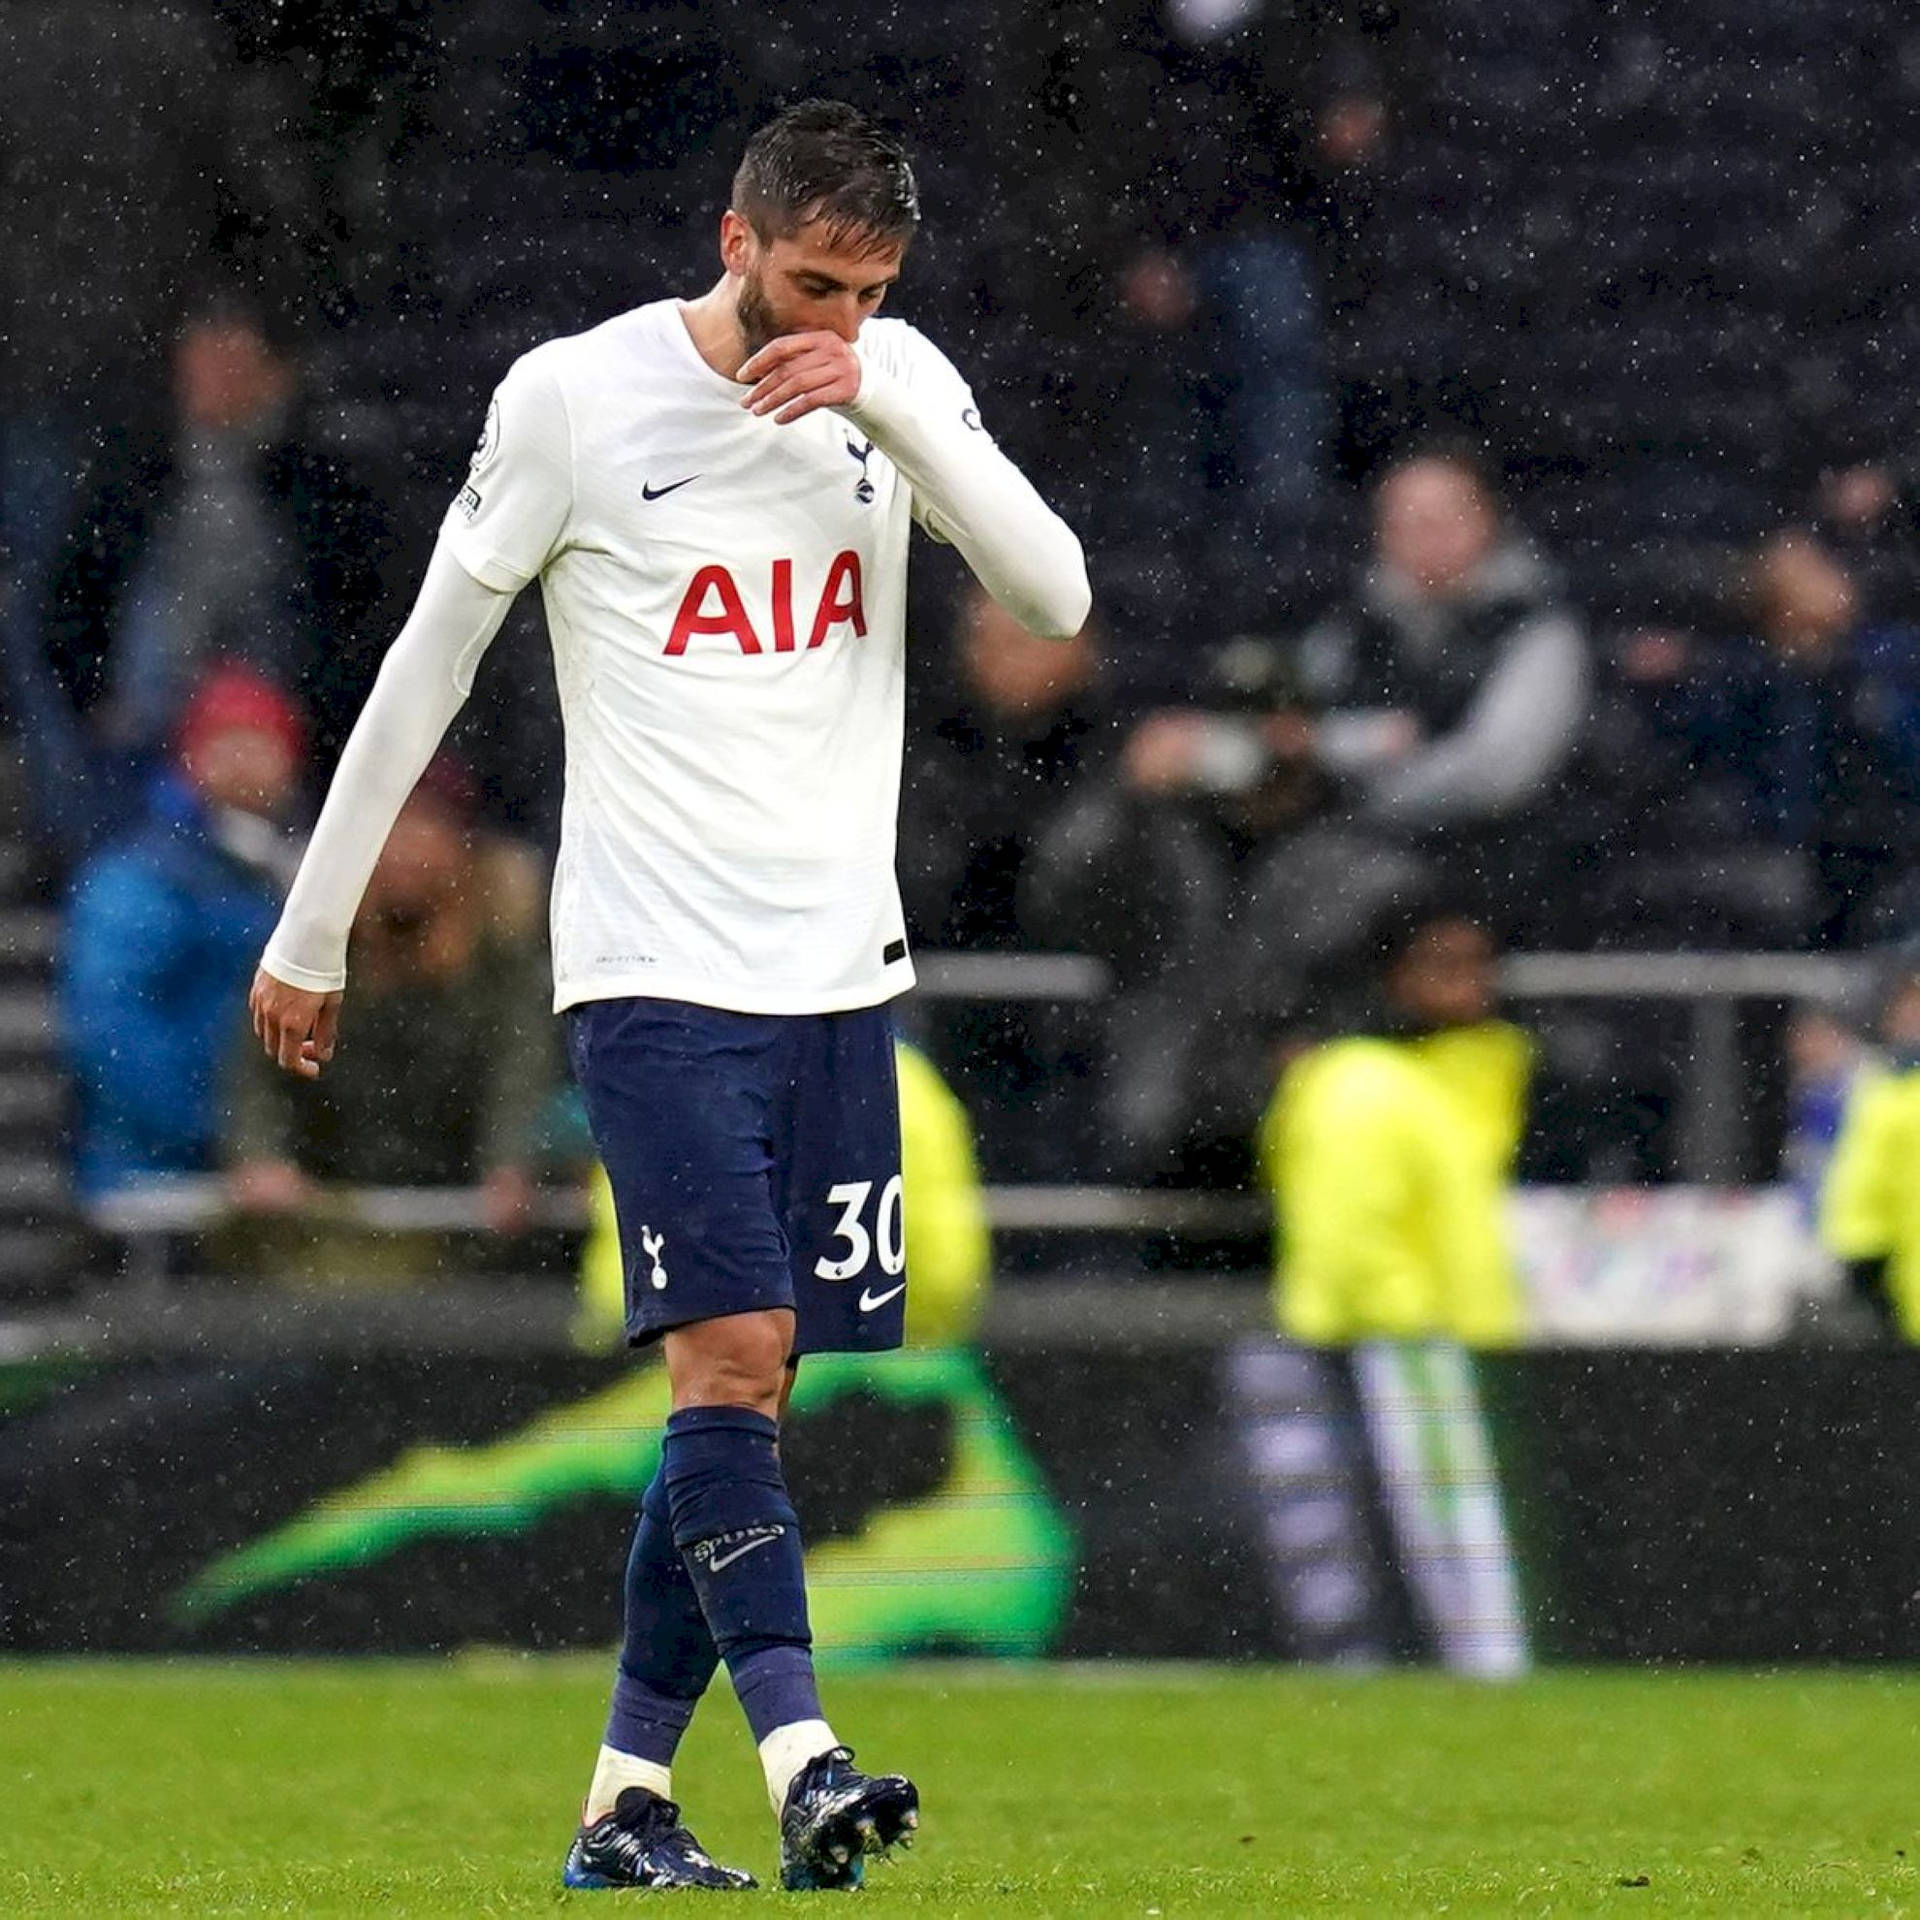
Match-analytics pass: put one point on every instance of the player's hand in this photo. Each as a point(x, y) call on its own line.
point(296, 1027)
point(800, 372)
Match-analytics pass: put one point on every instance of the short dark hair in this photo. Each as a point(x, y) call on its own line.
point(1403, 917)
point(825, 160)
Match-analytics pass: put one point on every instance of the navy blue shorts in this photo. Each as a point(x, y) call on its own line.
point(755, 1162)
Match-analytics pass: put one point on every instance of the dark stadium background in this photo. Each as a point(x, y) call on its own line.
point(1653, 264)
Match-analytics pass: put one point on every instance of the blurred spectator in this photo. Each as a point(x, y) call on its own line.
point(1772, 789)
point(1388, 1149)
point(215, 544)
point(1182, 865)
point(1817, 720)
point(1870, 511)
point(949, 1243)
point(124, 181)
point(988, 776)
point(1451, 688)
point(214, 577)
point(1256, 119)
point(1186, 181)
point(163, 933)
point(1225, 160)
point(334, 95)
point(1675, 860)
point(442, 1071)
point(1826, 1057)
point(1420, 730)
point(1870, 1204)
point(1865, 499)
point(1023, 732)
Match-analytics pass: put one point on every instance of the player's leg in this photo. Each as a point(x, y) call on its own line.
point(667, 1656)
point(630, 1832)
point(683, 1104)
point(664, 1094)
point(838, 1178)
point(737, 1530)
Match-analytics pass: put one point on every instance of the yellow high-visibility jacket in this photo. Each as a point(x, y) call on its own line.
point(1388, 1161)
point(949, 1252)
point(943, 1212)
point(1870, 1199)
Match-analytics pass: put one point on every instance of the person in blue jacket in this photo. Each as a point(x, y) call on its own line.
point(162, 932)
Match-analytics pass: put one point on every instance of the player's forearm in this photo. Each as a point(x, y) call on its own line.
point(423, 681)
point(1023, 553)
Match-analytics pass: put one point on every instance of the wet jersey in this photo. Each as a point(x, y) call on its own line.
point(726, 600)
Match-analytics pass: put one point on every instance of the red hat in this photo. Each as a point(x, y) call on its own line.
point(234, 697)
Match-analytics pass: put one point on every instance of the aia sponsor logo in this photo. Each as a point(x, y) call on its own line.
point(714, 606)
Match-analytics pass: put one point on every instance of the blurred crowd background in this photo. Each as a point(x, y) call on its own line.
point(1493, 430)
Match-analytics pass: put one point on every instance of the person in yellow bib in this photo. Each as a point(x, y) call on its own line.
point(1388, 1149)
point(1870, 1201)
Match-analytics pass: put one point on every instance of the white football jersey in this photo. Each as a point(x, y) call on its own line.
point(726, 600)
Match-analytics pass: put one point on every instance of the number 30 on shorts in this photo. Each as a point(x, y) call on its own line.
point(887, 1238)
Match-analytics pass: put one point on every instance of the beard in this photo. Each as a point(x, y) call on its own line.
point(758, 322)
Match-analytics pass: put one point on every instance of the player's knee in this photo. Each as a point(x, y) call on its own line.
point(739, 1361)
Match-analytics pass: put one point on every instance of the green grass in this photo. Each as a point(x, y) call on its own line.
point(414, 1788)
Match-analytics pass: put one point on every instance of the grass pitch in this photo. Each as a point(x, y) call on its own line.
point(415, 1788)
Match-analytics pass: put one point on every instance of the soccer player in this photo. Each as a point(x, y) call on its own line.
point(716, 496)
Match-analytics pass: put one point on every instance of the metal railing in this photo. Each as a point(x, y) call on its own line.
point(198, 1203)
point(150, 1219)
point(1713, 1111)
point(1712, 1125)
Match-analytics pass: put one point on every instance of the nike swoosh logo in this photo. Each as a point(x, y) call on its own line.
point(869, 1299)
point(672, 486)
point(721, 1561)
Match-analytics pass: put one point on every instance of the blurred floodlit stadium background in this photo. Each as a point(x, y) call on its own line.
point(1493, 434)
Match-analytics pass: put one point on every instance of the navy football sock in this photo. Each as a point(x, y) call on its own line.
point(667, 1656)
point(740, 1538)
